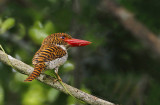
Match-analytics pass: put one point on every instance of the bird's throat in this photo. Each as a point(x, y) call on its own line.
point(63, 47)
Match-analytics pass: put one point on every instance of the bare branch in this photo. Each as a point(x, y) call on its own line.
point(46, 79)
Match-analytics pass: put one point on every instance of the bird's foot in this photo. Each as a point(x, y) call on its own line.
point(57, 76)
point(57, 79)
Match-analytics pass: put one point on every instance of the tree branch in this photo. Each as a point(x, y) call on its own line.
point(46, 79)
point(131, 24)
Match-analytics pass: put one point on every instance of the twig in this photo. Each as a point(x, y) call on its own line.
point(46, 79)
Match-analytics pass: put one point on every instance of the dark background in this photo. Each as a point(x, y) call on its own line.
point(116, 67)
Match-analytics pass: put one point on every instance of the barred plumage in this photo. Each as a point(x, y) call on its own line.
point(49, 51)
point(53, 53)
point(37, 70)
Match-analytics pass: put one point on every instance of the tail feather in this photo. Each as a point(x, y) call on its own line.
point(37, 70)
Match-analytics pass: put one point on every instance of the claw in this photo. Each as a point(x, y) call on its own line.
point(57, 79)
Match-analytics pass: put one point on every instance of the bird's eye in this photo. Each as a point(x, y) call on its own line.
point(63, 37)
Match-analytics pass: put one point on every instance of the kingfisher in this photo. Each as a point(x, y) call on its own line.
point(53, 53)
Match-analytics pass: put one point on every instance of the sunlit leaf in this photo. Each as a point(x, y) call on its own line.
point(7, 24)
point(38, 25)
point(49, 27)
point(68, 66)
point(37, 35)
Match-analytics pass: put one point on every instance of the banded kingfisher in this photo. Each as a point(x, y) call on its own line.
point(53, 53)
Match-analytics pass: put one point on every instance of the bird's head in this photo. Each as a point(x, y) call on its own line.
point(65, 40)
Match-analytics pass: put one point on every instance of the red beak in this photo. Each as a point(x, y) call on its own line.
point(77, 42)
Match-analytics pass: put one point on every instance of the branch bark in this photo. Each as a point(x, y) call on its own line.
point(131, 24)
point(48, 80)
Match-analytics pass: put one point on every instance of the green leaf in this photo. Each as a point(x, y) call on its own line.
point(68, 66)
point(7, 24)
point(37, 35)
point(38, 25)
point(49, 27)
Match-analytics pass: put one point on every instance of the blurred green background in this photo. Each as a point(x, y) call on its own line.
point(115, 67)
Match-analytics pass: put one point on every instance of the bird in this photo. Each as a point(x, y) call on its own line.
point(53, 53)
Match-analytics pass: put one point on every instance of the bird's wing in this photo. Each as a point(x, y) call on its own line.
point(48, 53)
point(44, 54)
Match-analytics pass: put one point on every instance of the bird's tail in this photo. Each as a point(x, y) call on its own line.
point(37, 70)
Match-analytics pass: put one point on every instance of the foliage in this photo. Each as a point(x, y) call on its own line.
point(115, 66)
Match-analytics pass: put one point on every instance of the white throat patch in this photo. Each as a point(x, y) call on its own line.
point(63, 47)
